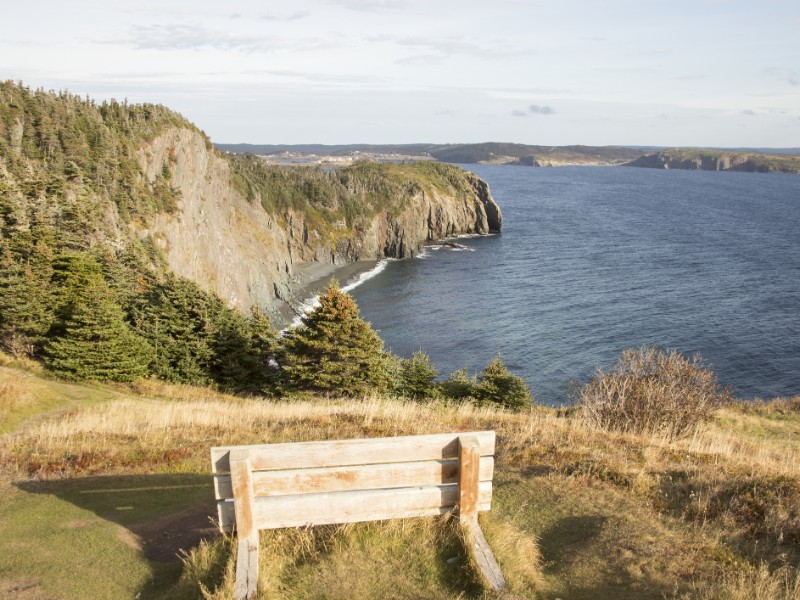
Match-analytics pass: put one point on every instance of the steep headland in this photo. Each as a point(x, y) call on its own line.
point(718, 160)
point(141, 180)
point(226, 235)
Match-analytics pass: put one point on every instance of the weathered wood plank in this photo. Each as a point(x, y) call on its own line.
point(468, 476)
point(361, 477)
point(482, 555)
point(273, 512)
point(247, 567)
point(305, 455)
point(242, 483)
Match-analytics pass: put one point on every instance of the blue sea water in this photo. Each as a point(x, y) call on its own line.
point(594, 260)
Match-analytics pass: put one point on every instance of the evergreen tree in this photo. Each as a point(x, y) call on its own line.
point(458, 386)
point(417, 377)
point(178, 319)
point(244, 351)
point(26, 302)
point(97, 343)
point(334, 350)
point(497, 385)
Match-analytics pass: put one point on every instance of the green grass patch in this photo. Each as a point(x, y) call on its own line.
point(102, 537)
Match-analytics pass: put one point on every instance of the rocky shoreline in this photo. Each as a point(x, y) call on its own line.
point(310, 279)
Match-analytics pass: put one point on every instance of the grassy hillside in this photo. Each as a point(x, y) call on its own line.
point(104, 485)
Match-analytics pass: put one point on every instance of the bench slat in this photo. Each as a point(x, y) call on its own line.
point(362, 477)
point(369, 451)
point(273, 512)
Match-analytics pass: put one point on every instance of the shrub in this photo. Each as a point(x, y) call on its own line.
point(458, 386)
point(496, 385)
point(652, 391)
point(417, 375)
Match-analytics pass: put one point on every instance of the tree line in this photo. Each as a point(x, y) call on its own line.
point(91, 316)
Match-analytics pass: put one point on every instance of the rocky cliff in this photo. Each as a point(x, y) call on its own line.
point(713, 160)
point(248, 256)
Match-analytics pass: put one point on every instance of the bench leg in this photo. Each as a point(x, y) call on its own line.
point(469, 460)
point(247, 567)
point(246, 531)
point(481, 554)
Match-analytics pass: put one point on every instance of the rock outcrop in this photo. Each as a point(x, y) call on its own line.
point(717, 161)
point(247, 256)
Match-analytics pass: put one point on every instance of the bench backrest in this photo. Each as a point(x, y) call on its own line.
point(345, 481)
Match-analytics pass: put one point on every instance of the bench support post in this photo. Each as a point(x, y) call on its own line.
point(247, 551)
point(469, 459)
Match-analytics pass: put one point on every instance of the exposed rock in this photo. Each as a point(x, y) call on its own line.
point(247, 257)
point(712, 160)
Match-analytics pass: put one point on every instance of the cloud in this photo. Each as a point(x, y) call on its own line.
point(372, 6)
point(794, 81)
point(748, 112)
point(421, 59)
point(518, 113)
point(296, 16)
point(190, 37)
point(541, 110)
point(437, 49)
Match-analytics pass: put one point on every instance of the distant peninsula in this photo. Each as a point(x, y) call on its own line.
point(760, 160)
point(718, 160)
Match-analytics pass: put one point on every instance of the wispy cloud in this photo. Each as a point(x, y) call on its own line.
point(296, 16)
point(190, 37)
point(541, 110)
point(749, 112)
point(437, 49)
point(794, 81)
point(371, 5)
point(534, 109)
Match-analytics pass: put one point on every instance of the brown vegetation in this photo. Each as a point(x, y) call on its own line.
point(651, 391)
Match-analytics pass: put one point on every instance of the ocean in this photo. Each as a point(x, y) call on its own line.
point(594, 260)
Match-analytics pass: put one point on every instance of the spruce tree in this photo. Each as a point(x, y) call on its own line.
point(497, 385)
point(417, 377)
point(97, 343)
point(334, 350)
point(26, 303)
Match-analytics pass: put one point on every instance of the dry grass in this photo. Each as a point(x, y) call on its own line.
point(400, 559)
point(751, 583)
point(697, 486)
point(20, 396)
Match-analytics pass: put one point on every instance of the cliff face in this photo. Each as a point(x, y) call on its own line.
point(247, 256)
point(718, 161)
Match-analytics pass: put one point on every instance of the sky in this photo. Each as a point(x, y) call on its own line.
point(714, 73)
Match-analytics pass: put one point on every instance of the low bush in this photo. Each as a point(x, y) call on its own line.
point(417, 377)
point(496, 385)
point(652, 391)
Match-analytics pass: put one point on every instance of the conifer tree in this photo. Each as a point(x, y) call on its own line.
point(417, 377)
point(334, 350)
point(458, 386)
point(497, 385)
point(97, 343)
point(26, 302)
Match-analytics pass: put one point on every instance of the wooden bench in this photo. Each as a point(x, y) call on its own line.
point(345, 481)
